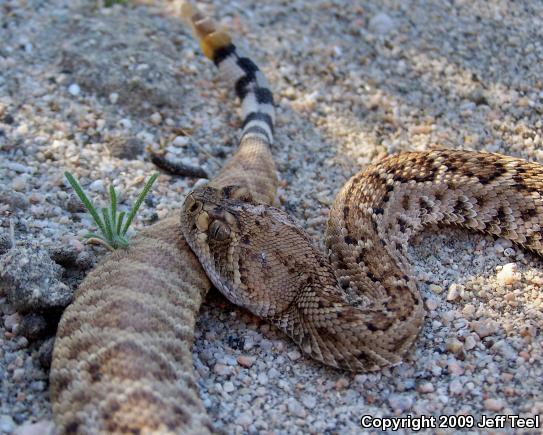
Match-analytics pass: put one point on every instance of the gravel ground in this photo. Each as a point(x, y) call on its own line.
point(88, 89)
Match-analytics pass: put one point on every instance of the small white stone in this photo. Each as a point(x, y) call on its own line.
point(509, 252)
point(295, 408)
point(505, 349)
point(455, 387)
point(74, 89)
point(468, 310)
point(199, 183)
point(493, 404)
point(448, 316)
point(294, 355)
point(181, 141)
point(18, 183)
point(381, 24)
point(222, 370)
point(11, 321)
point(156, 118)
point(470, 343)
point(263, 378)
point(113, 97)
point(6, 424)
point(273, 373)
point(453, 293)
point(484, 328)
point(435, 288)
point(400, 402)
point(455, 368)
point(309, 401)
point(453, 345)
point(97, 186)
point(431, 304)
point(508, 275)
point(39, 428)
point(228, 387)
point(244, 419)
point(426, 387)
point(124, 123)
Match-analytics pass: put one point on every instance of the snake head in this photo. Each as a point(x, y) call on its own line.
point(255, 254)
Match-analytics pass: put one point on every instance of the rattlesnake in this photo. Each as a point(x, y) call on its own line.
point(122, 360)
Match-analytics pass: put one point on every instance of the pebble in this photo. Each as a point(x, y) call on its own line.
point(508, 275)
point(74, 89)
point(43, 427)
point(294, 355)
point(181, 141)
point(400, 402)
point(494, 405)
point(19, 183)
point(244, 419)
point(381, 24)
point(454, 345)
point(32, 326)
point(113, 97)
point(435, 288)
point(505, 349)
point(97, 186)
point(455, 387)
point(228, 387)
point(468, 310)
point(32, 281)
point(156, 118)
point(455, 368)
point(453, 293)
point(431, 304)
point(484, 328)
point(309, 401)
point(245, 361)
point(223, 370)
point(295, 408)
point(263, 378)
point(7, 425)
point(12, 321)
point(469, 343)
point(426, 387)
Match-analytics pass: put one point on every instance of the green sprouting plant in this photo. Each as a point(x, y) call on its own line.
point(109, 3)
point(112, 225)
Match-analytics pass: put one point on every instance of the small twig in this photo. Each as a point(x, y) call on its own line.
point(177, 168)
point(12, 233)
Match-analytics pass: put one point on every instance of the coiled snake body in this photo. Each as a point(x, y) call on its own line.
point(122, 360)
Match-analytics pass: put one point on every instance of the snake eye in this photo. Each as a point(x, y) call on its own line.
point(218, 231)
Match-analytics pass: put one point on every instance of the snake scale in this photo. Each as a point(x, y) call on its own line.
point(122, 361)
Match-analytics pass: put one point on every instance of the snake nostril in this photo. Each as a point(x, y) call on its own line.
point(194, 207)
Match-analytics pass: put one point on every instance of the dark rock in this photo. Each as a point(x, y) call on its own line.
point(126, 148)
point(85, 260)
point(66, 256)
point(31, 280)
point(74, 204)
point(45, 353)
point(16, 200)
point(32, 326)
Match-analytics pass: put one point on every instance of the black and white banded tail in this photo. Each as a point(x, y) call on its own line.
point(251, 86)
